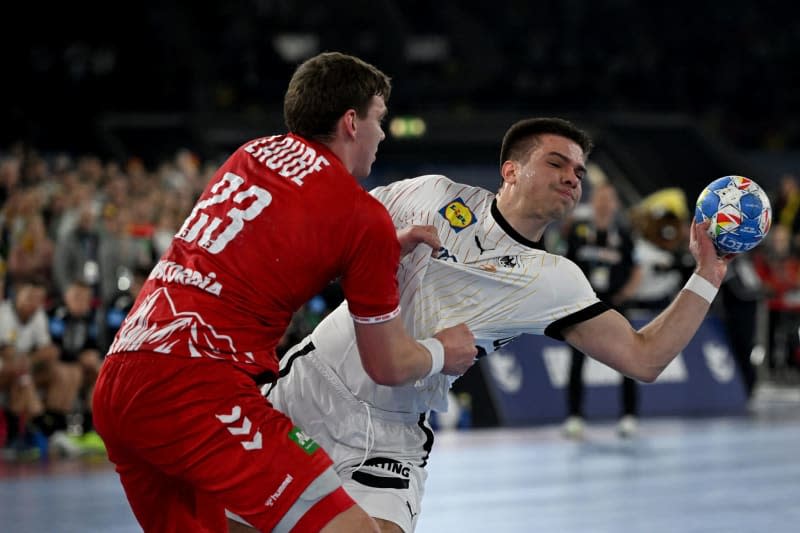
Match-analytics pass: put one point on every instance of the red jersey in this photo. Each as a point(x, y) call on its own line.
point(278, 221)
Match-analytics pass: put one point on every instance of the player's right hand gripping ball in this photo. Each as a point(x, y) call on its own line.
point(739, 211)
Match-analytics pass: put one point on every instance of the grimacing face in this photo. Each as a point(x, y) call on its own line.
point(548, 182)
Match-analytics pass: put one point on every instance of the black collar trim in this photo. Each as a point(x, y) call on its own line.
point(514, 234)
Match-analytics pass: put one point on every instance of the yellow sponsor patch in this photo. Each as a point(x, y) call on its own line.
point(458, 215)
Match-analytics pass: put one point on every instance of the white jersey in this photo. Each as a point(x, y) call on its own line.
point(486, 275)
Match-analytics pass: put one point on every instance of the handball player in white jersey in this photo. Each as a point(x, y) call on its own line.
point(491, 273)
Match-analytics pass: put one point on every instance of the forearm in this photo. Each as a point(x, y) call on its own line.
point(404, 364)
point(645, 353)
point(391, 357)
point(667, 335)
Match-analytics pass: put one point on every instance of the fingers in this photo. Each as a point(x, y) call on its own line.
point(429, 236)
point(412, 236)
point(460, 350)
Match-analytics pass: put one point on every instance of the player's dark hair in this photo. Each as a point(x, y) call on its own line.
point(324, 87)
point(523, 136)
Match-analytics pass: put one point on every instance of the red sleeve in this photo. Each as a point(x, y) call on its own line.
point(370, 278)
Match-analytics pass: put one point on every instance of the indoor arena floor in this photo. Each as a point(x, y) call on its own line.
point(733, 474)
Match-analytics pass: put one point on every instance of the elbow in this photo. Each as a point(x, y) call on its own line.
point(647, 377)
point(387, 379)
point(387, 376)
point(646, 374)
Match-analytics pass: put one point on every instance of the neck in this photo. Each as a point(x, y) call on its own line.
point(530, 227)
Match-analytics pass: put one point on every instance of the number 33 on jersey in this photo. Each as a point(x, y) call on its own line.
point(199, 222)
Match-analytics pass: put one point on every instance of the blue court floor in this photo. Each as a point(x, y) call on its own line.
point(738, 474)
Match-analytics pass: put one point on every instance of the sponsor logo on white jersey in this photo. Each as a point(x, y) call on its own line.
point(458, 215)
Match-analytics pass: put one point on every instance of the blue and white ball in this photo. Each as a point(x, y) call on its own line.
point(739, 211)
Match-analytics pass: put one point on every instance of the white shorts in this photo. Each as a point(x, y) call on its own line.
point(379, 455)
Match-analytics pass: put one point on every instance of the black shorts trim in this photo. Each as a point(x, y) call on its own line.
point(379, 482)
point(305, 350)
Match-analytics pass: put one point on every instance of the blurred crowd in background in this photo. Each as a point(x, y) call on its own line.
point(79, 236)
point(86, 211)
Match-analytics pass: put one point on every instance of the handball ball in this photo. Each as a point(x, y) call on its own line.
point(739, 211)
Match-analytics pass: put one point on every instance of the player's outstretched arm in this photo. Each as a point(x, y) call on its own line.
point(645, 353)
point(391, 357)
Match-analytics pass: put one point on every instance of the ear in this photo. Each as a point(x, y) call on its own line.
point(348, 123)
point(509, 171)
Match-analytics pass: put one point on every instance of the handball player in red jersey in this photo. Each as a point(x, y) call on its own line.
point(178, 402)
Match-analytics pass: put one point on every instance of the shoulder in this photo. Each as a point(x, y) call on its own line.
point(430, 190)
point(368, 215)
point(564, 276)
point(428, 183)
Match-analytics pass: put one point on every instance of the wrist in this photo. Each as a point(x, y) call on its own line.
point(436, 350)
point(702, 287)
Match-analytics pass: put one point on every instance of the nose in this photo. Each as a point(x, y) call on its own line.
point(570, 178)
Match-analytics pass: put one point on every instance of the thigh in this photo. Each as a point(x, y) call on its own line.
point(163, 503)
point(207, 425)
point(388, 489)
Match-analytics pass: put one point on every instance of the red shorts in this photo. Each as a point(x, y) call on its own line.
point(193, 437)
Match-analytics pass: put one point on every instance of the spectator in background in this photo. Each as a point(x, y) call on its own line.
point(77, 252)
point(68, 203)
point(31, 255)
point(123, 247)
point(26, 348)
point(779, 270)
point(74, 329)
point(660, 223)
point(786, 207)
point(603, 249)
point(741, 292)
point(90, 170)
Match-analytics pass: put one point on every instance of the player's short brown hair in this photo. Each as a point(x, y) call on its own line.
point(324, 87)
point(523, 136)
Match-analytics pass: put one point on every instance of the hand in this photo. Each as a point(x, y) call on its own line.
point(411, 236)
point(459, 349)
point(709, 264)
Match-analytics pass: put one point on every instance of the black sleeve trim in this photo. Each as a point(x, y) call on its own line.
point(555, 329)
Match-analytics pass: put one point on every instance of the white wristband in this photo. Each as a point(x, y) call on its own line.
point(701, 287)
point(436, 349)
